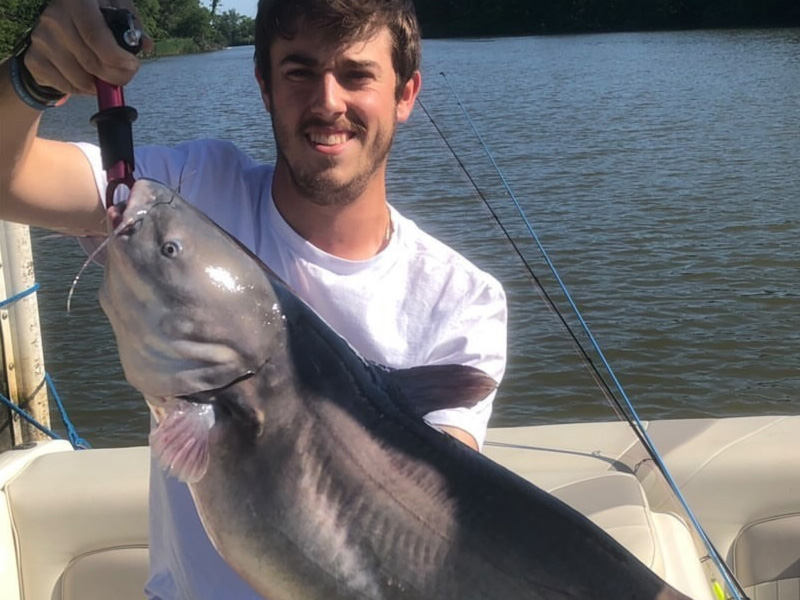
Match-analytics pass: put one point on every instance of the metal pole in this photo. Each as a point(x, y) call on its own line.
point(20, 336)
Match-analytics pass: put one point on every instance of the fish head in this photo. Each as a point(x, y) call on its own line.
point(191, 308)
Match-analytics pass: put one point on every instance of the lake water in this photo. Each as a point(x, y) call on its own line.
point(659, 170)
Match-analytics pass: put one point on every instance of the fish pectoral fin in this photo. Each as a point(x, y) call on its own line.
point(180, 439)
point(436, 387)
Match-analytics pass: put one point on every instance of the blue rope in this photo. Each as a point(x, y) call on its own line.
point(76, 440)
point(28, 418)
point(20, 296)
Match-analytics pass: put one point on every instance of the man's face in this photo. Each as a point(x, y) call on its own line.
point(334, 112)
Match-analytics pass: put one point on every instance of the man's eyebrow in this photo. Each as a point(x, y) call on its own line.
point(361, 64)
point(298, 58)
point(305, 60)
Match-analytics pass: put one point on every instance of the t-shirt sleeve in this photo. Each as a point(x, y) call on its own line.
point(189, 168)
point(152, 162)
point(474, 335)
point(213, 175)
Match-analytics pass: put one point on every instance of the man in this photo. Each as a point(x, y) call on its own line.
point(336, 76)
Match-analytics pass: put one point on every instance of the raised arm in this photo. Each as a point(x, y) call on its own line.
point(44, 182)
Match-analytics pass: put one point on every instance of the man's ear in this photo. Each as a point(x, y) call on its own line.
point(263, 87)
point(408, 96)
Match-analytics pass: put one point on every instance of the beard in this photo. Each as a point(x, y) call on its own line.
point(318, 182)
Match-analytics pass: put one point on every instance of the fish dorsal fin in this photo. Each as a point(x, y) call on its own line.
point(437, 387)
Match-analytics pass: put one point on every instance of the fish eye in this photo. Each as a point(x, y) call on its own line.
point(171, 249)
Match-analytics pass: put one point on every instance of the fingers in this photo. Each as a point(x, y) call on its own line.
point(72, 44)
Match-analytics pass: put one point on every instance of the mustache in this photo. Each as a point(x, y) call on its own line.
point(344, 124)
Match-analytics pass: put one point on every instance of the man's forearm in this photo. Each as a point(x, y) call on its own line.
point(460, 435)
point(18, 126)
point(42, 182)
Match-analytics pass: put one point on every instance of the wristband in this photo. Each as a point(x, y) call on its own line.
point(31, 93)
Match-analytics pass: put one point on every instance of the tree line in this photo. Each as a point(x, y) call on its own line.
point(203, 26)
point(175, 25)
point(466, 18)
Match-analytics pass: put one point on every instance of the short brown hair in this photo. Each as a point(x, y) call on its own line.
point(348, 21)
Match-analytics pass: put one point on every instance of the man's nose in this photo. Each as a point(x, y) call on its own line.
point(330, 96)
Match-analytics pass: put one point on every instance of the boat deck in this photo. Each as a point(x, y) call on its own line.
point(75, 524)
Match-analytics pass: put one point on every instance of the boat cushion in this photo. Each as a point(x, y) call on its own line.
point(576, 468)
point(765, 558)
point(104, 574)
point(9, 588)
point(616, 502)
point(78, 512)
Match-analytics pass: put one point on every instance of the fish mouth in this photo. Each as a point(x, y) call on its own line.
point(114, 215)
point(224, 399)
point(182, 438)
point(125, 218)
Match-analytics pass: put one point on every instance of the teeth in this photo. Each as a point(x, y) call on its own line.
point(328, 139)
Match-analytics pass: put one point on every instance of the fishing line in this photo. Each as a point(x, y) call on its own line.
point(548, 300)
point(628, 410)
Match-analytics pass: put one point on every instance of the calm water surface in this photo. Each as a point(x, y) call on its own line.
point(660, 172)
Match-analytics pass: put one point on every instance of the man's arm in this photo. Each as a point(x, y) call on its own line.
point(461, 436)
point(44, 182)
point(475, 334)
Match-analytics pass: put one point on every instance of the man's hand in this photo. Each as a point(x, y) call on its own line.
point(71, 44)
point(461, 436)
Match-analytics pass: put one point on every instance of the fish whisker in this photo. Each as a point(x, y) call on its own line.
point(86, 263)
point(121, 228)
point(53, 236)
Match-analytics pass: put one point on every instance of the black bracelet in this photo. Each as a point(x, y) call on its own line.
point(31, 93)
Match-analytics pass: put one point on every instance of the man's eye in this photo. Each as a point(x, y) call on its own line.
point(358, 77)
point(299, 73)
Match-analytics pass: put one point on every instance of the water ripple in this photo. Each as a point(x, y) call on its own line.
point(660, 170)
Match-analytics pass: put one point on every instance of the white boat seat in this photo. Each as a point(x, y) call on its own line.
point(736, 474)
point(95, 553)
point(765, 558)
point(613, 500)
point(107, 573)
point(616, 503)
point(73, 525)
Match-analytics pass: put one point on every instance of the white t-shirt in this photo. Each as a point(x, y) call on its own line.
point(417, 302)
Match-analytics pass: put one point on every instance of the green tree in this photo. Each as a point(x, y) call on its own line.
point(149, 13)
point(186, 19)
point(16, 16)
point(235, 29)
point(191, 26)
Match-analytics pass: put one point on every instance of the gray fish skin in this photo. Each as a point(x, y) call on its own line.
point(312, 470)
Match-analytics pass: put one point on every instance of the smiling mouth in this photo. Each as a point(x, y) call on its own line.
point(329, 139)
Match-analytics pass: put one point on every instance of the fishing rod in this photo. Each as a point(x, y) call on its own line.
point(594, 372)
point(625, 408)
